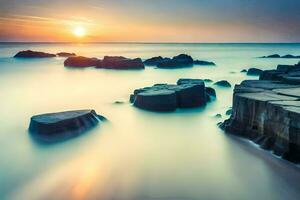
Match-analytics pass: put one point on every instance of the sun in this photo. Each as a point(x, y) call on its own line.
point(79, 31)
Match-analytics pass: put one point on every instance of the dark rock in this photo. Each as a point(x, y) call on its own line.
point(207, 80)
point(65, 54)
point(33, 54)
point(218, 116)
point(202, 62)
point(211, 92)
point(154, 61)
point(188, 93)
point(273, 75)
point(222, 83)
point(179, 61)
point(229, 111)
point(272, 56)
point(254, 72)
point(290, 56)
point(244, 71)
point(119, 102)
point(80, 61)
point(119, 62)
point(56, 126)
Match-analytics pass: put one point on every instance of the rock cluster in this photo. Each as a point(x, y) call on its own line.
point(62, 125)
point(278, 56)
point(182, 60)
point(267, 111)
point(80, 61)
point(65, 54)
point(33, 54)
point(187, 93)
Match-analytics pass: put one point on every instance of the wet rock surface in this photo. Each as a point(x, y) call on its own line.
point(33, 54)
point(268, 112)
point(52, 127)
point(188, 93)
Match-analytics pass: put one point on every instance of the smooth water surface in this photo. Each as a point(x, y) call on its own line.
point(137, 154)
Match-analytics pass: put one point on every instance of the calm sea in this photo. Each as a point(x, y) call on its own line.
point(137, 154)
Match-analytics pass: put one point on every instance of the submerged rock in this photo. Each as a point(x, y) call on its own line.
point(62, 125)
point(188, 93)
point(202, 62)
point(222, 83)
point(119, 62)
point(254, 72)
point(65, 54)
point(33, 54)
point(80, 61)
point(244, 71)
point(154, 61)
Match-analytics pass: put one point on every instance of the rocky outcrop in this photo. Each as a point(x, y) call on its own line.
point(33, 54)
point(179, 61)
point(80, 61)
point(154, 61)
point(65, 54)
point(119, 62)
point(202, 62)
point(254, 72)
point(188, 93)
point(52, 127)
point(222, 83)
point(268, 112)
point(278, 56)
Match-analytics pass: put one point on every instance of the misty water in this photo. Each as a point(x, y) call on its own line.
point(137, 154)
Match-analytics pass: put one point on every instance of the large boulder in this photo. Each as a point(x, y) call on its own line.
point(179, 61)
point(268, 111)
point(62, 125)
point(33, 54)
point(65, 54)
point(254, 72)
point(119, 62)
point(80, 61)
point(188, 93)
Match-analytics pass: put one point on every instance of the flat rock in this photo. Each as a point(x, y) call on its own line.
point(202, 62)
point(65, 54)
point(119, 62)
point(80, 61)
point(33, 54)
point(265, 84)
point(62, 125)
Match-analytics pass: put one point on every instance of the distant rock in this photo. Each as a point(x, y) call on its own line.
point(254, 72)
point(80, 61)
point(222, 83)
point(188, 93)
point(65, 54)
point(119, 62)
point(33, 54)
point(244, 71)
point(119, 102)
point(278, 56)
point(179, 61)
point(53, 127)
point(218, 116)
point(154, 61)
point(202, 62)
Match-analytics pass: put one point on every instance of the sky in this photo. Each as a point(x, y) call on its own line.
point(150, 20)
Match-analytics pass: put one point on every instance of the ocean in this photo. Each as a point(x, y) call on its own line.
point(137, 154)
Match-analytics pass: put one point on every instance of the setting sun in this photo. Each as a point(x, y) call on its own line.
point(79, 31)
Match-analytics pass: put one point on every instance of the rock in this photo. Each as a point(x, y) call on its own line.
point(207, 80)
point(278, 56)
point(202, 62)
point(119, 102)
point(188, 93)
point(211, 92)
point(65, 54)
point(80, 61)
point(222, 83)
point(62, 125)
point(229, 111)
point(179, 61)
point(33, 54)
point(218, 116)
point(119, 62)
point(254, 72)
point(154, 61)
point(290, 56)
point(244, 71)
point(272, 56)
point(268, 112)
